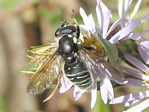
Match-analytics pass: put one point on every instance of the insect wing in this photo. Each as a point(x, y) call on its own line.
point(45, 75)
point(101, 67)
point(41, 53)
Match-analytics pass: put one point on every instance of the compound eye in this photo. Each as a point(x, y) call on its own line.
point(68, 30)
point(78, 31)
point(58, 32)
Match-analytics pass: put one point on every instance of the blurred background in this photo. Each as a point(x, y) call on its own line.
point(26, 23)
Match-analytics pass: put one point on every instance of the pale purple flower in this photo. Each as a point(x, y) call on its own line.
point(140, 107)
point(123, 7)
point(67, 84)
point(143, 44)
point(141, 81)
point(98, 72)
point(133, 98)
point(104, 28)
point(123, 29)
point(106, 88)
point(104, 17)
point(136, 62)
point(143, 48)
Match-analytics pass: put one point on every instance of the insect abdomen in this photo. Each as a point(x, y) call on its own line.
point(78, 74)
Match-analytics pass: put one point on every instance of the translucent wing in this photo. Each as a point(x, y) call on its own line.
point(41, 53)
point(100, 66)
point(48, 69)
point(44, 76)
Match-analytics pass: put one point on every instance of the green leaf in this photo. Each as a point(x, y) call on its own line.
point(128, 46)
point(111, 51)
point(100, 106)
point(39, 46)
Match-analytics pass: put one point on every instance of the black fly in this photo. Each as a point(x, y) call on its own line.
point(77, 60)
point(74, 68)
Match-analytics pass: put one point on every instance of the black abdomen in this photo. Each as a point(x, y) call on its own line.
point(78, 74)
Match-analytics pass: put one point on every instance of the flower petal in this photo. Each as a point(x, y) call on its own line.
point(140, 107)
point(77, 93)
point(125, 31)
point(134, 82)
point(131, 103)
point(136, 73)
point(92, 23)
point(106, 90)
point(120, 8)
point(66, 84)
point(127, 4)
point(106, 24)
point(103, 93)
point(137, 37)
point(100, 15)
point(144, 32)
point(135, 9)
point(88, 20)
point(145, 44)
point(130, 97)
point(136, 62)
point(144, 54)
point(94, 94)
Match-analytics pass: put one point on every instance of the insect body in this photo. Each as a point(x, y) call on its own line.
point(78, 73)
point(67, 48)
point(76, 60)
point(74, 67)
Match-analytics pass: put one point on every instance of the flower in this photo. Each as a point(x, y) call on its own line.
point(141, 81)
point(108, 33)
point(143, 48)
point(66, 84)
point(105, 85)
point(129, 22)
point(143, 45)
point(127, 25)
point(121, 29)
point(98, 71)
